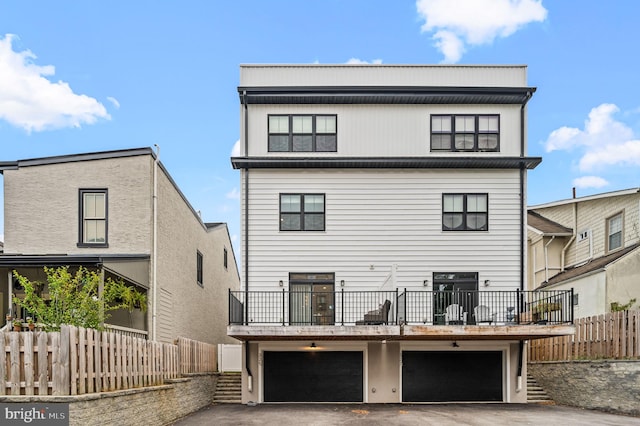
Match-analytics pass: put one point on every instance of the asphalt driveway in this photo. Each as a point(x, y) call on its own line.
point(385, 414)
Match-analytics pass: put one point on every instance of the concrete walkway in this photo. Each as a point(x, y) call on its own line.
point(397, 414)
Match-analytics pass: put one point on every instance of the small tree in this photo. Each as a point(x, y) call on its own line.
point(75, 298)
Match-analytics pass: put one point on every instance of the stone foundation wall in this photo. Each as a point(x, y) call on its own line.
point(156, 405)
point(607, 385)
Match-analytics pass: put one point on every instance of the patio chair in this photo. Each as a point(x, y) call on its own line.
point(482, 314)
point(454, 314)
point(378, 316)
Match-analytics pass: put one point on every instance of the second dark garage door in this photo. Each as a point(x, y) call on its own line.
point(313, 376)
point(441, 376)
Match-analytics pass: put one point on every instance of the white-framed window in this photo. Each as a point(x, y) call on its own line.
point(302, 212)
point(302, 133)
point(614, 232)
point(465, 133)
point(93, 224)
point(465, 212)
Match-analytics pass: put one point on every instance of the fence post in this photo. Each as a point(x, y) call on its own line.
point(342, 306)
point(283, 303)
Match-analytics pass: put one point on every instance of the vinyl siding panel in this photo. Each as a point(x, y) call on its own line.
point(375, 219)
point(383, 130)
point(593, 215)
point(383, 75)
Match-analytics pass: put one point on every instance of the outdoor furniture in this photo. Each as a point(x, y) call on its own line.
point(455, 315)
point(378, 316)
point(482, 314)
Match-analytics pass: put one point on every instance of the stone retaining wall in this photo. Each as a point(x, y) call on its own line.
point(156, 405)
point(606, 385)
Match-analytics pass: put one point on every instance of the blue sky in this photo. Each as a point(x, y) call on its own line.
point(90, 76)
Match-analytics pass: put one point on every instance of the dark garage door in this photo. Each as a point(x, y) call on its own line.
point(451, 376)
point(313, 376)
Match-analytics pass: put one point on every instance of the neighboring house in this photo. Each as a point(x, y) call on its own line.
point(383, 234)
point(121, 213)
point(589, 244)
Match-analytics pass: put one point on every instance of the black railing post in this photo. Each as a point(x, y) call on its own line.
point(571, 305)
point(284, 301)
point(230, 311)
point(396, 309)
point(518, 312)
point(342, 306)
point(406, 299)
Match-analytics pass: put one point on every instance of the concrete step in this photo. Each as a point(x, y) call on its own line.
point(228, 389)
point(536, 394)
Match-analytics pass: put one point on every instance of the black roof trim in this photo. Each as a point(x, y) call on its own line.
point(385, 162)
point(14, 260)
point(71, 158)
point(384, 95)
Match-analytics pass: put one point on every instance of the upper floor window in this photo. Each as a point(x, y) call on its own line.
point(303, 133)
point(199, 266)
point(465, 212)
point(93, 218)
point(614, 232)
point(302, 212)
point(465, 133)
point(225, 261)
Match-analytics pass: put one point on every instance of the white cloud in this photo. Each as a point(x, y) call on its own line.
point(234, 194)
point(31, 101)
point(114, 101)
point(604, 140)
point(235, 151)
point(589, 182)
point(475, 22)
point(356, 61)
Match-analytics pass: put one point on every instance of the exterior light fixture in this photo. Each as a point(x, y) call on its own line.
point(455, 345)
point(341, 283)
point(487, 283)
point(280, 283)
point(425, 282)
point(313, 345)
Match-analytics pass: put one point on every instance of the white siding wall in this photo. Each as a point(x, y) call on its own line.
point(384, 75)
point(384, 130)
point(378, 218)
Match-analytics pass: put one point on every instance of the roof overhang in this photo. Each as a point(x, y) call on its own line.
point(385, 162)
point(21, 260)
point(384, 95)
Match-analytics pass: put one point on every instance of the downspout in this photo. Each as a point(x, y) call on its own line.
point(546, 258)
point(522, 189)
point(246, 240)
point(573, 237)
point(521, 355)
point(154, 259)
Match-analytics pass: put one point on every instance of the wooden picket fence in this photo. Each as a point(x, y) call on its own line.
point(76, 361)
point(197, 357)
point(615, 335)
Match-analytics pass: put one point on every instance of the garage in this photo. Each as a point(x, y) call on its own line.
point(447, 376)
point(313, 376)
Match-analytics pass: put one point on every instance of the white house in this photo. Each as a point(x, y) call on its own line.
point(383, 234)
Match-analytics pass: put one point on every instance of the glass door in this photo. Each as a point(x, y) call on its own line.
point(454, 288)
point(311, 299)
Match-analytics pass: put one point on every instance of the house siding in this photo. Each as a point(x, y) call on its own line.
point(33, 202)
point(384, 130)
point(592, 215)
point(375, 219)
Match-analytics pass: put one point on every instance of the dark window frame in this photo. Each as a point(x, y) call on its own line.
point(225, 256)
point(302, 212)
point(81, 218)
point(466, 213)
point(609, 235)
point(291, 135)
point(476, 133)
point(199, 268)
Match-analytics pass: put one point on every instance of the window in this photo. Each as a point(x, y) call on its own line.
point(199, 268)
point(302, 133)
point(614, 232)
point(224, 258)
point(465, 133)
point(93, 218)
point(465, 212)
point(302, 212)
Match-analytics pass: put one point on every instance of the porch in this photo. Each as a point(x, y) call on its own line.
point(400, 315)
